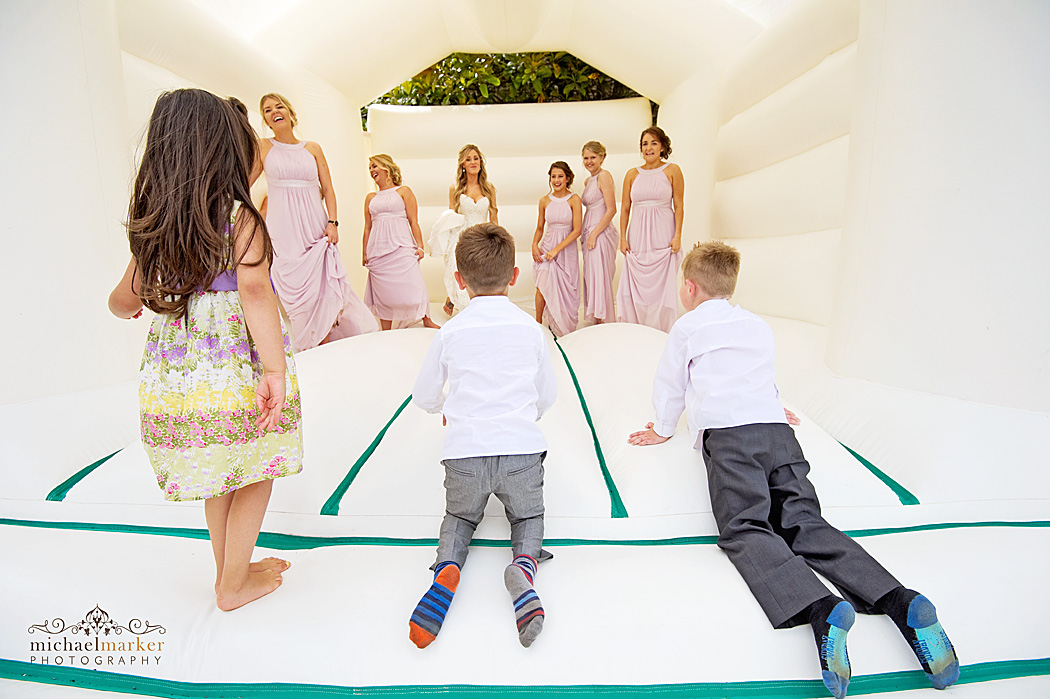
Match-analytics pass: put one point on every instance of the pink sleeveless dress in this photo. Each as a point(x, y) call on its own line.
point(599, 264)
point(648, 293)
point(559, 279)
point(307, 271)
point(395, 290)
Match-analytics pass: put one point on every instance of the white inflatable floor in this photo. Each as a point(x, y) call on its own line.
point(639, 599)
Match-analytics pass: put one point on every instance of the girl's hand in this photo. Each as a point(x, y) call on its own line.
point(269, 400)
point(676, 243)
point(551, 254)
point(792, 418)
point(419, 254)
point(624, 246)
point(592, 240)
point(332, 233)
point(646, 437)
point(537, 256)
point(364, 260)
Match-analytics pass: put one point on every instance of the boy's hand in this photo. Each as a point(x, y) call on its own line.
point(646, 437)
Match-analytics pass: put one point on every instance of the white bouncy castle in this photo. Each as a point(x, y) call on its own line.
point(881, 166)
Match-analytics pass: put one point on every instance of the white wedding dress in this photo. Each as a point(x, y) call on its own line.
point(445, 234)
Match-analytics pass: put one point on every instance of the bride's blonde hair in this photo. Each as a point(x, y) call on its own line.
point(483, 180)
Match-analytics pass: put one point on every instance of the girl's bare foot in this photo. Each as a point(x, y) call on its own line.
point(428, 323)
point(270, 563)
point(259, 584)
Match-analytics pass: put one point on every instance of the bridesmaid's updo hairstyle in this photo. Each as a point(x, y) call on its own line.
point(564, 167)
point(283, 100)
point(387, 163)
point(663, 138)
point(594, 147)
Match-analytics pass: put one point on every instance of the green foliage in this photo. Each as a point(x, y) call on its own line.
point(506, 78)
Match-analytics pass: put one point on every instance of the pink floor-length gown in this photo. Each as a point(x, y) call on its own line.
point(307, 271)
point(559, 279)
point(395, 290)
point(648, 293)
point(599, 264)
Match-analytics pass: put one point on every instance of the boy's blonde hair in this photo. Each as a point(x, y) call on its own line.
point(485, 258)
point(713, 266)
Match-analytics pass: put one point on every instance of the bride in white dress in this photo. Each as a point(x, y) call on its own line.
point(471, 200)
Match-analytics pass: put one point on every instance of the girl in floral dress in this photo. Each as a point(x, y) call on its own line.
point(218, 396)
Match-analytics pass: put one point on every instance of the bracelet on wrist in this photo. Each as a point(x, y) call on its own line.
point(334, 223)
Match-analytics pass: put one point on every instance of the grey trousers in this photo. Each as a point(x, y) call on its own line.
point(517, 481)
point(769, 523)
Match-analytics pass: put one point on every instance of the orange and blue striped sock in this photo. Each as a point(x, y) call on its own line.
point(430, 613)
point(528, 611)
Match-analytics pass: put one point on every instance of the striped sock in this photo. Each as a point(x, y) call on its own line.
point(528, 612)
point(430, 613)
point(831, 618)
point(916, 617)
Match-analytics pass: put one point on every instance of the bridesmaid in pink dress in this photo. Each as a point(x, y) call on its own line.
point(600, 239)
point(392, 248)
point(652, 214)
point(556, 256)
point(307, 270)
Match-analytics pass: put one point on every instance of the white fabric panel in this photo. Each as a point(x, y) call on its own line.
point(811, 110)
point(951, 152)
point(507, 129)
point(802, 37)
point(791, 276)
point(798, 195)
point(66, 169)
point(689, 116)
point(363, 49)
point(358, 598)
point(940, 448)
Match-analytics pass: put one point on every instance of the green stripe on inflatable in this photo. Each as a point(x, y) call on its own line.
point(903, 494)
point(618, 510)
point(794, 689)
point(331, 505)
point(298, 542)
point(60, 490)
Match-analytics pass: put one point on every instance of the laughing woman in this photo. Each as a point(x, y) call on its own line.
point(308, 271)
point(392, 248)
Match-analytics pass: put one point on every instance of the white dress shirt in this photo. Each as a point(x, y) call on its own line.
point(718, 366)
point(494, 357)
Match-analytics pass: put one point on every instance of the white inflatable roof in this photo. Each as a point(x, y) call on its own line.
point(879, 164)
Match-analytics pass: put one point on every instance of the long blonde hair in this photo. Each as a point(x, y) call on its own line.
point(483, 180)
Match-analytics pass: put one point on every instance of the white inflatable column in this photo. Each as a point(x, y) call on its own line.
point(944, 254)
point(66, 166)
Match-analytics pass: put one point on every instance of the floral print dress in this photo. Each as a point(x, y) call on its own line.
point(197, 403)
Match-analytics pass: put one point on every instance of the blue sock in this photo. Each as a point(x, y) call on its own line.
point(429, 614)
point(916, 617)
point(831, 618)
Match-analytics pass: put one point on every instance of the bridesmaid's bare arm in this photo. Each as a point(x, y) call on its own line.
point(412, 211)
point(327, 190)
point(674, 173)
point(625, 209)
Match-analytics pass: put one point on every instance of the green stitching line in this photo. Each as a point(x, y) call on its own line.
point(331, 505)
point(795, 689)
point(902, 493)
point(298, 542)
point(62, 489)
point(618, 509)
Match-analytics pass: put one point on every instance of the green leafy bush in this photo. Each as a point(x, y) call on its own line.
point(506, 78)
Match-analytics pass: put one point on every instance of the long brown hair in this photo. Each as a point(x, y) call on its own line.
point(483, 180)
point(199, 153)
